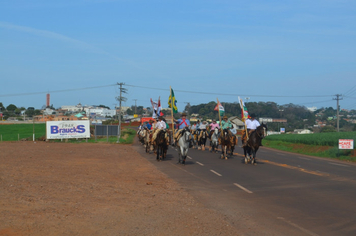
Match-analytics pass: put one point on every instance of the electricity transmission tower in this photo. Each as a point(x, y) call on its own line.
point(120, 99)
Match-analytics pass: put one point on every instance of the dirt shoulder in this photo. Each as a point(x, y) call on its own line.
point(94, 189)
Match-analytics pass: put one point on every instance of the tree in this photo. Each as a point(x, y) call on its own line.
point(103, 106)
point(11, 107)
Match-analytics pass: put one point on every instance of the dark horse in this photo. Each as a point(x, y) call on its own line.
point(202, 139)
point(161, 144)
point(253, 143)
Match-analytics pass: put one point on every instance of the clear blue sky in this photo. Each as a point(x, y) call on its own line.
point(265, 50)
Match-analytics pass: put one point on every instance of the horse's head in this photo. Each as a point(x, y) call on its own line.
point(216, 130)
point(262, 130)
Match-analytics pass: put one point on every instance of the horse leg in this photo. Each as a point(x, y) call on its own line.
point(157, 151)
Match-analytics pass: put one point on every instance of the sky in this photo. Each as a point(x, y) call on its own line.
point(301, 52)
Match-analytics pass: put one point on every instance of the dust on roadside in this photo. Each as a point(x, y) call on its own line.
point(94, 189)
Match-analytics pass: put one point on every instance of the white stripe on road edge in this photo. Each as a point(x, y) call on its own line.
point(189, 157)
point(216, 173)
point(304, 158)
point(243, 188)
point(200, 163)
point(298, 227)
point(336, 164)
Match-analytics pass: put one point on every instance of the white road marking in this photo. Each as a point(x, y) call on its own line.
point(336, 164)
point(200, 163)
point(216, 173)
point(298, 227)
point(281, 154)
point(304, 158)
point(189, 157)
point(243, 188)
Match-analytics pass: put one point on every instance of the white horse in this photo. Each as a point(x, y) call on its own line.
point(183, 144)
point(214, 142)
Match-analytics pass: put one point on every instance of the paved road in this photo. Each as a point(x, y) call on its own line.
point(284, 194)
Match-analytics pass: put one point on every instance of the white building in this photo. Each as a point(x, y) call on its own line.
point(77, 108)
point(312, 109)
point(100, 111)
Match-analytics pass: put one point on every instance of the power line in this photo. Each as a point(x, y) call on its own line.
point(161, 89)
point(56, 91)
point(227, 94)
point(350, 91)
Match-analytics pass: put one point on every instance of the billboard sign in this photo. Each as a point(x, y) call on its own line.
point(68, 129)
point(282, 130)
point(346, 144)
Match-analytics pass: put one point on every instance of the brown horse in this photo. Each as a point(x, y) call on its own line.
point(253, 143)
point(161, 145)
point(225, 142)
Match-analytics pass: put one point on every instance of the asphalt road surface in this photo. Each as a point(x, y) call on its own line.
point(284, 194)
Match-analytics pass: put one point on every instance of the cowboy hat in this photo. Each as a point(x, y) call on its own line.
point(184, 114)
point(225, 117)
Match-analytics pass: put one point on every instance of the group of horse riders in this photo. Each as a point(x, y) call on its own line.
point(155, 126)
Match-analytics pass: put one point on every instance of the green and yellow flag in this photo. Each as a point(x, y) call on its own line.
point(172, 98)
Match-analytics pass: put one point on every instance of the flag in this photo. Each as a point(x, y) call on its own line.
point(244, 112)
point(154, 108)
point(172, 97)
point(159, 113)
point(219, 108)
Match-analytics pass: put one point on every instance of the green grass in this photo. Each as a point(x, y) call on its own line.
point(322, 139)
point(15, 132)
point(127, 137)
point(321, 144)
point(24, 131)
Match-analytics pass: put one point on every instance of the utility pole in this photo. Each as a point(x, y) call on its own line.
point(120, 99)
point(337, 110)
point(135, 106)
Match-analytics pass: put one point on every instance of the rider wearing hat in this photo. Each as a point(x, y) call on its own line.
point(160, 125)
point(251, 125)
point(225, 125)
point(182, 123)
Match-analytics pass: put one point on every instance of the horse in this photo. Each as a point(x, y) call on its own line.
point(202, 139)
point(253, 143)
point(148, 140)
point(195, 138)
point(141, 133)
point(183, 144)
point(233, 141)
point(161, 145)
point(225, 141)
point(214, 139)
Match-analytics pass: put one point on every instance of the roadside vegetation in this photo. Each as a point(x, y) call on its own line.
point(320, 144)
point(24, 132)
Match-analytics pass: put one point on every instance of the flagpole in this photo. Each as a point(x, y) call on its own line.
point(219, 115)
point(242, 109)
point(170, 90)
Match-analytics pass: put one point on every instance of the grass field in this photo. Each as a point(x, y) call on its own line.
point(16, 132)
point(321, 139)
point(320, 144)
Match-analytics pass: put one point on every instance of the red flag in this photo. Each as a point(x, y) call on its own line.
point(159, 108)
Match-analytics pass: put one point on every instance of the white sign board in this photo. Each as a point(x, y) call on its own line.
point(68, 129)
point(346, 144)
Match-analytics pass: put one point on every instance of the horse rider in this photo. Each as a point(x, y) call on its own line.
point(202, 128)
point(160, 125)
point(149, 124)
point(225, 125)
point(251, 125)
point(182, 123)
point(212, 126)
point(198, 125)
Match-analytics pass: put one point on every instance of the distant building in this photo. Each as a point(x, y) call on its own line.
point(312, 109)
point(302, 131)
